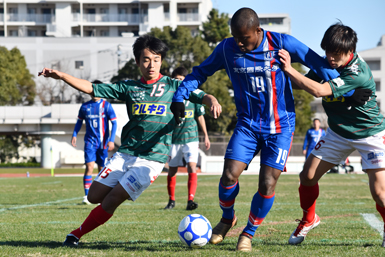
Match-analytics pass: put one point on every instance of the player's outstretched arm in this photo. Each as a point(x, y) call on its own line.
point(310, 86)
point(79, 84)
point(202, 124)
point(212, 103)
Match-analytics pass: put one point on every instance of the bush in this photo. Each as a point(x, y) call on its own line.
point(23, 164)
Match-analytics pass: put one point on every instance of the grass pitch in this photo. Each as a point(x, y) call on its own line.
point(37, 213)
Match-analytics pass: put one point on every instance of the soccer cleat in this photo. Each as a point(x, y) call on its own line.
point(220, 231)
point(71, 241)
point(301, 231)
point(191, 205)
point(85, 200)
point(244, 244)
point(170, 205)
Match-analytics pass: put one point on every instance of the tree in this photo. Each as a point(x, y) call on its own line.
point(216, 28)
point(16, 84)
point(129, 71)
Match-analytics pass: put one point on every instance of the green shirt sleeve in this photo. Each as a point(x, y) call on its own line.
point(196, 96)
point(199, 110)
point(112, 91)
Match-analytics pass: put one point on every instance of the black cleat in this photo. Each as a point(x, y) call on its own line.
point(71, 241)
point(170, 205)
point(191, 205)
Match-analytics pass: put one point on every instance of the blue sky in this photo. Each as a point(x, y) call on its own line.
point(311, 18)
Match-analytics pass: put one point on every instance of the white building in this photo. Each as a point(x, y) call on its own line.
point(61, 18)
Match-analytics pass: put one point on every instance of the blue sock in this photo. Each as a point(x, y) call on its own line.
point(260, 207)
point(87, 181)
point(227, 198)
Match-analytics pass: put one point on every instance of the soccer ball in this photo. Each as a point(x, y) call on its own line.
point(194, 230)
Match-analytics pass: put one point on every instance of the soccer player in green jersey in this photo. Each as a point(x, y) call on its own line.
point(146, 138)
point(359, 128)
point(184, 148)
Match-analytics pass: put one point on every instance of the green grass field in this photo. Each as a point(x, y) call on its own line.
point(37, 213)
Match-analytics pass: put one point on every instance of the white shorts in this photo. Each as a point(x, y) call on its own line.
point(135, 174)
point(334, 149)
point(189, 152)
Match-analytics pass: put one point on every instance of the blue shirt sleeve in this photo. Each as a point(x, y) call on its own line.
point(112, 117)
point(77, 128)
point(200, 73)
point(301, 53)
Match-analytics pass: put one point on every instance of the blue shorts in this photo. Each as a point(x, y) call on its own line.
point(245, 144)
point(93, 154)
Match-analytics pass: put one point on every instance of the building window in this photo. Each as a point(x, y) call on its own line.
point(79, 65)
point(104, 33)
point(13, 33)
point(1, 33)
point(271, 21)
point(32, 33)
point(374, 65)
point(378, 86)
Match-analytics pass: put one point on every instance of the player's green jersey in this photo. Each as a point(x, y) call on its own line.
point(151, 123)
point(357, 122)
point(187, 131)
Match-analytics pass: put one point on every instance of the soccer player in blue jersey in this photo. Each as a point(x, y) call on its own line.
point(312, 137)
point(96, 113)
point(266, 116)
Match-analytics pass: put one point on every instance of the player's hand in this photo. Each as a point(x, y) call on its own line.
point(50, 73)
point(111, 146)
point(73, 141)
point(285, 59)
point(304, 152)
point(207, 143)
point(359, 97)
point(212, 103)
point(178, 109)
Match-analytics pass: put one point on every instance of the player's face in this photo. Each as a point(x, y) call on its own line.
point(179, 77)
point(246, 38)
point(337, 60)
point(149, 64)
point(316, 124)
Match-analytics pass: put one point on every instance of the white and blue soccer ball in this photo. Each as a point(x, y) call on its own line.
point(195, 230)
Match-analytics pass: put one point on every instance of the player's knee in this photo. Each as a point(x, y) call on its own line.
point(228, 179)
point(379, 198)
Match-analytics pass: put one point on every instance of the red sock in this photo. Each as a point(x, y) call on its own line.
point(97, 217)
point(308, 196)
point(381, 210)
point(192, 185)
point(171, 182)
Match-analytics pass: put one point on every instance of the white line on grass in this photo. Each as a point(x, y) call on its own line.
point(38, 204)
point(373, 222)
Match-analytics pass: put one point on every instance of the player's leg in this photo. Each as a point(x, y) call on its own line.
point(191, 153)
point(329, 151)
point(240, 151)
point(275, 149)
point(377, 189)
point(171, 183)
point(90, 158)
point(174, 161)
point(106, 182)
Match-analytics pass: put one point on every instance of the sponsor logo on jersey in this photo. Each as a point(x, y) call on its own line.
point(189, 114)
point(330, 99)
point(256, 69)
point(375, 155)
point(354, 68)
point(138, 95)
point(149, 109)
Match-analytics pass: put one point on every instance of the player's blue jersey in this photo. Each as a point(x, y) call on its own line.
point(312, 137)
point(96, 116)
point(262, 91)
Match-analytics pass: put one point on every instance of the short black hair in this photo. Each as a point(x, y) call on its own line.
point(245, 17)
point(339, 39)
point(316, 119)
point(96, 81)
point(155, 45)
point(181, 71)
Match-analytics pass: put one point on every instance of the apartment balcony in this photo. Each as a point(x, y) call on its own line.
point(189, 17)
point(34, 18)
point(110, 18)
